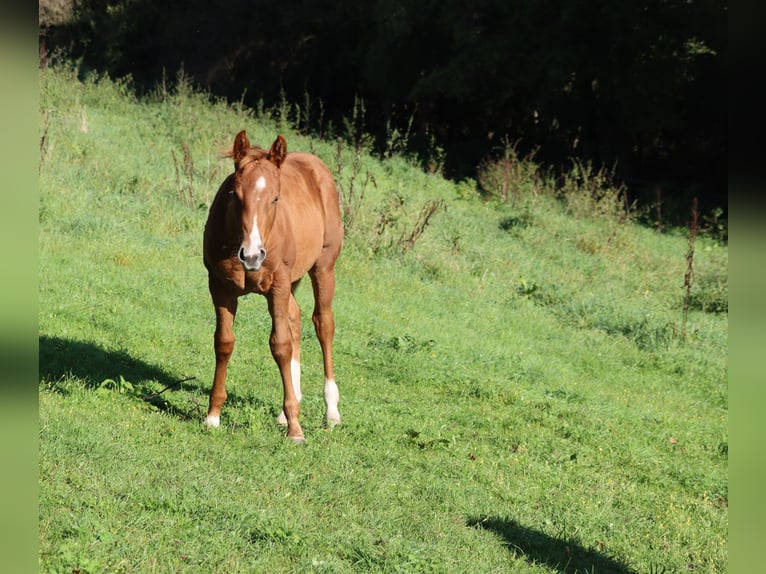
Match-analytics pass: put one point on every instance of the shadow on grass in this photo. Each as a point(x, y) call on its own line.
point(61, 358)
point(564, 556)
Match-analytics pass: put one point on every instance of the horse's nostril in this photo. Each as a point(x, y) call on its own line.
point(252, 262)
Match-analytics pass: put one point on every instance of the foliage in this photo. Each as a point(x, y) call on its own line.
point(515, 390)
point(637, 84)
point(510, 175)
point(593, 192)
point(710, 291)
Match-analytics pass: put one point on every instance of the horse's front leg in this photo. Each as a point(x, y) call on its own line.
point(223, 341)
point(281, 344)
point(294, 318)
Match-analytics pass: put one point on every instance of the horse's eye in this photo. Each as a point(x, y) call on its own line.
point(276, 199)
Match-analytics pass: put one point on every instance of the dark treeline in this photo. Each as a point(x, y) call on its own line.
point(640, 85)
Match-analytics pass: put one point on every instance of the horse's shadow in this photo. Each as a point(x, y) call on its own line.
point(564, 556)
point(61, 358)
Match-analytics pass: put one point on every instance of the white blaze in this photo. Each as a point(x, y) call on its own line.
point(255, 242)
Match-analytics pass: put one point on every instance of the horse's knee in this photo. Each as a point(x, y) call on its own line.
point(224, 337)
point(224, 346)
point(281, 348)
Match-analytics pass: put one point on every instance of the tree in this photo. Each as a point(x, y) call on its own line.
point(639, 84)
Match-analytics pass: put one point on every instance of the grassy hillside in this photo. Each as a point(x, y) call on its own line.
point(519, 388)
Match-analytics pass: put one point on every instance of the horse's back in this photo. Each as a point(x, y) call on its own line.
point(308, 186)
point(315, 172)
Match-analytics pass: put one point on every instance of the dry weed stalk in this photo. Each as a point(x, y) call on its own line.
point(426, 212)
point(185, 189)
point(689, 275)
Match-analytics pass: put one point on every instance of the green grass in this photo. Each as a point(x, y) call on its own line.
point(516, 391)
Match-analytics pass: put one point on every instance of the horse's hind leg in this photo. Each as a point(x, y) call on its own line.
point(294, 319)
point(223, 341)
point(323, 282)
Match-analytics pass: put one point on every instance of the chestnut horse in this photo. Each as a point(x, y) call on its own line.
point(273, 220)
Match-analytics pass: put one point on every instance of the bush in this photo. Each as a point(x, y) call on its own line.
point(592, 193)
point(710, 291)
point(509, 175)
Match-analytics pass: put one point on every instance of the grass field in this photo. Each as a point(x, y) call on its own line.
point(519, 389)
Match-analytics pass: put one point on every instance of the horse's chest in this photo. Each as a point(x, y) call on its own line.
point(230, 272)
point(258, 282)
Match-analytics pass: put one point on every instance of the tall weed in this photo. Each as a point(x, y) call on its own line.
point(394, 230)
point(398, 141)
point(351, 187)
point(184, 175)
point(710, 291)
point(689, 274)
point(510, 175)
point(355, 126)
point(594, 193)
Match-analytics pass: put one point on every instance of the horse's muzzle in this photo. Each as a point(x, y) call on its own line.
point(254, 261)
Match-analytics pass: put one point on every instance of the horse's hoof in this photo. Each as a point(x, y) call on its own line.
point(212, 422)
point(282, 419)
point(297, 439)
point(330, 424)
point(331, 420)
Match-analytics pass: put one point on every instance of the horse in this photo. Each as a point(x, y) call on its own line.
point(276, 218)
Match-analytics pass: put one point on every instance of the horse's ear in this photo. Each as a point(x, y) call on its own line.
point(278, 151)
point(241, 146)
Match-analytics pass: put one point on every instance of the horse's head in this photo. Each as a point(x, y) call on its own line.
point(257, 185)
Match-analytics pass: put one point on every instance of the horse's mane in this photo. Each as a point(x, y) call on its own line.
point(254, 153)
